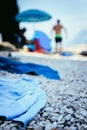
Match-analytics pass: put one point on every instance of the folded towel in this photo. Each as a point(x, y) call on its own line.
point(20, 99)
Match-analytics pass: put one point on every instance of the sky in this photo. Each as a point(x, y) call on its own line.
point(72, 14)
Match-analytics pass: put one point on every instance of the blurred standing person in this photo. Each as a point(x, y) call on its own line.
point(58, 35)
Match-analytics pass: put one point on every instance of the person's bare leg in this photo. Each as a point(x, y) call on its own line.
point(56, 48)
point(61, 50)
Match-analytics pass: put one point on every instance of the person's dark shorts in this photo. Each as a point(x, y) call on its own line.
point(58, 39)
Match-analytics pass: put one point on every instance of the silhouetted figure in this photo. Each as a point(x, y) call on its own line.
point(20, 38)
point(8, 24)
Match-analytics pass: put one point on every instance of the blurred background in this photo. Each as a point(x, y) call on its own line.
point(73, 15)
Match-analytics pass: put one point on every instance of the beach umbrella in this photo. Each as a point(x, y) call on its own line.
point(33, 15)
point(43, 39)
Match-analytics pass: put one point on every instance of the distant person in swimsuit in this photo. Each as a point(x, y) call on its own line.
point(58, 36)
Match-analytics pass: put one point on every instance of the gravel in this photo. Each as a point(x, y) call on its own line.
point(66, 106)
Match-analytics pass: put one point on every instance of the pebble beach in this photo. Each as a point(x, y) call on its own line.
point(66, 106)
